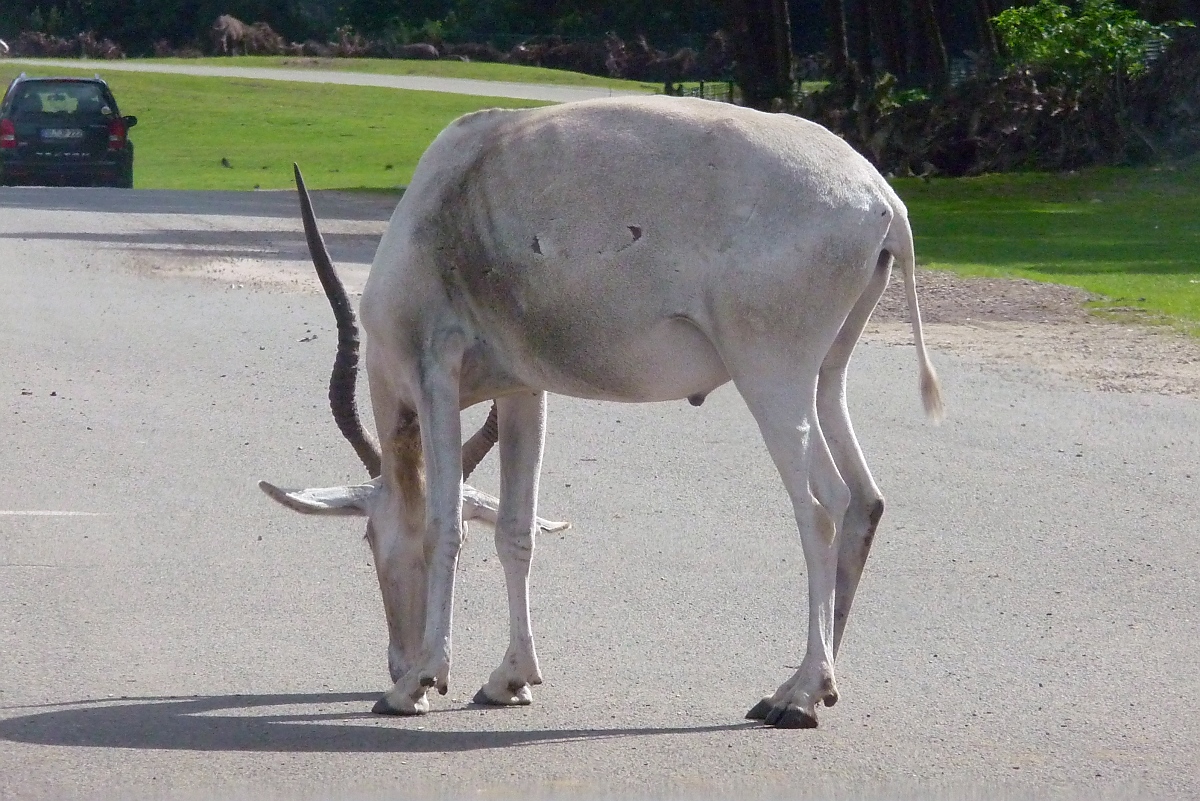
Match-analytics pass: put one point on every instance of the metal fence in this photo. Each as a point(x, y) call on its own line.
point(722, 91)
point(1154, 50)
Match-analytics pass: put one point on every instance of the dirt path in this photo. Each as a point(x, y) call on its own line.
point(1026, 323)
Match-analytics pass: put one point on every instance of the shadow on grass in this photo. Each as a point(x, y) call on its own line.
point(1066, 242)
point(233, 723)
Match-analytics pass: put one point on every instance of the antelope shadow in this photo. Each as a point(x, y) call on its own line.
point(197, 724)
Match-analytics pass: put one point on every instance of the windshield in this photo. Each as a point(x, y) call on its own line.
point(61, 99)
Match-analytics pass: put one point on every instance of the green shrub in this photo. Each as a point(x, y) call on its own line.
point(1098, 40)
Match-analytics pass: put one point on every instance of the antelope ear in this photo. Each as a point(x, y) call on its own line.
point(352, 501)
point(480, 506)
point(355, 500)
point(551, 526)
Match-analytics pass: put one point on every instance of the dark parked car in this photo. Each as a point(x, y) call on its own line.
point(64, 131)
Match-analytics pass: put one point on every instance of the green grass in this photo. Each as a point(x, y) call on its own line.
point(342, 136)
point(1131, 235)
point(475, 70)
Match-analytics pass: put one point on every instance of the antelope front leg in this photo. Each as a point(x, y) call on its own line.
point(441, 437)
point(396, 532)
point(522, 433)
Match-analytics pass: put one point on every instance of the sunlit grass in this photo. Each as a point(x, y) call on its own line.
point(342, 136)
point(1132, 235)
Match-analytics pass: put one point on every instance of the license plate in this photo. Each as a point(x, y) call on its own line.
point(62, 133)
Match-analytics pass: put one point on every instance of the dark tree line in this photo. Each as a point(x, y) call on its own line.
point(920, 42)
point(137, 24)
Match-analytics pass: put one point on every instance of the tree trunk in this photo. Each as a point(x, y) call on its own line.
point(783, 68)
point(858, 30)
point(947, 31)
point(763, 49)
point(887, 22)
point(936, 65)
point(838, 47)
point(989, 46)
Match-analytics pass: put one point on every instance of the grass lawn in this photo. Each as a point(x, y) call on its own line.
point(1132, 235)
point(343, 137)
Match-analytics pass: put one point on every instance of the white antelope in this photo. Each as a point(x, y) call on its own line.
point(632, 250)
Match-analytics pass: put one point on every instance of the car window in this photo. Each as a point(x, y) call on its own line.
point(62, 99)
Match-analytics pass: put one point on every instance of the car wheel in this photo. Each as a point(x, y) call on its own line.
point(125, 176)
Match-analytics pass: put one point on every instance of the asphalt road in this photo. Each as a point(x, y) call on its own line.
point(1027, 627)
point(458, 86)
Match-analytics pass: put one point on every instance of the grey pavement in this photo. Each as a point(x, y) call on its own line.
point(1027, 626)
point(460, 86)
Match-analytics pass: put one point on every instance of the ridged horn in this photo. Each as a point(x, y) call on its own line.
point(343, 380)
point(480, 443)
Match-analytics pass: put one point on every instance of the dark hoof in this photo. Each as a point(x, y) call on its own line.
point(428, 681)
point(760, 710)
point(830, 700)
point(790, 718)
point(382, 707)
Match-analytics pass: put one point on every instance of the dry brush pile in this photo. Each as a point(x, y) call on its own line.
point(611, 57)
point(1166, 102)
point(35, 44)
point(1026, 120)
